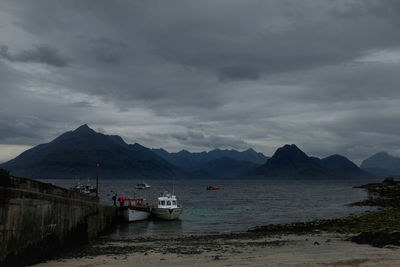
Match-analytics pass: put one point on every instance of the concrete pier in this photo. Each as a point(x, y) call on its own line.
point(38, 219)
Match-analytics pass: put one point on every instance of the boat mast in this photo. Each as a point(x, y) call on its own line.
point(173, 185)
point(97, 179)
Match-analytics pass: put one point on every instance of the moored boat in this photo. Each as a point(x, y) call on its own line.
point(210, 187)
point(136, 210)
point(167, 207)
point(84, 188)
point(142, 186)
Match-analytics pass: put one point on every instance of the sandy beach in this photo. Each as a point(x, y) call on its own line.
point(321, 249)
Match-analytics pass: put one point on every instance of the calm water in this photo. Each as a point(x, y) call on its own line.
point(237, 206)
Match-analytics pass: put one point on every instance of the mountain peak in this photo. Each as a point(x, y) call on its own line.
point(76, 153)
point(184, 152)
point(289, 153)
point(84, 129)
point(290, 162)
point(289, 149)
point(292, 146)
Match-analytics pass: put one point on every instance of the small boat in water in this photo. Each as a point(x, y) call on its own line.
point(142, 186)
point(84, 188)
point(137, 209)
point(167, 207)
point(210, 187)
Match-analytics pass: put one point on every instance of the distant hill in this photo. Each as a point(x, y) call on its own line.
point(75, 154)
point(382, 164)
point(342, 166)
point(290, 162)
point(215, 163)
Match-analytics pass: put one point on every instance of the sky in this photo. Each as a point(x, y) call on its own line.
point(198, 75)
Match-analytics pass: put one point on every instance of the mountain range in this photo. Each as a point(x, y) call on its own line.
point(215, 163)
point(75, 154)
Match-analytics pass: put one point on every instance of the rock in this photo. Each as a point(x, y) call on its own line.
point(217, 257)
point(378, 239)
point(389, 181)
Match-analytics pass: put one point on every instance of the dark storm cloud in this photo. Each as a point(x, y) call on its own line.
point(238, 73)
point(244, 43)
point(236, 40)
point(81, 104)
point(40, 53)
point(204, 74)
point(109, 51)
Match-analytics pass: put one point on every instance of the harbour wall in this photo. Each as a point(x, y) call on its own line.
point(38, 220)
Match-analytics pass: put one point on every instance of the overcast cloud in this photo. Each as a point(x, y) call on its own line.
point(198, 75)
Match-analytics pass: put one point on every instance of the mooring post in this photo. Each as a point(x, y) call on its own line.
point(97, 180)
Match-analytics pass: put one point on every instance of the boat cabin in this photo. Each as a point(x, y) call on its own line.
point(137, 202)
point(167, 201)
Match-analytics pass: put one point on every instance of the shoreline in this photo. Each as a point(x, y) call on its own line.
point(369, 239)
point(249, 249)
point(313, 243)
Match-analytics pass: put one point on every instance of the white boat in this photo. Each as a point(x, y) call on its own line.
point(136, 210)
point(142, 186)
point(167, 207)
point(84, 188)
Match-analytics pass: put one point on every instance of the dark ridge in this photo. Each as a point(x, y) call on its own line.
point(75, 154)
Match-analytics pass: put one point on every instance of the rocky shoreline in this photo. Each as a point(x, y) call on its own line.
point(377, 228)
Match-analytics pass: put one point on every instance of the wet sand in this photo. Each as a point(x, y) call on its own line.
point(321, 249)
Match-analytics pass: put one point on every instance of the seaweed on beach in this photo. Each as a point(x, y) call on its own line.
point(385, 194)
point(379, 228)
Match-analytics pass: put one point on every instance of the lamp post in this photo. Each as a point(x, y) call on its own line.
point(97, 179)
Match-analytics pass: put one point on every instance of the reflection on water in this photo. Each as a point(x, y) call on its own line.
point(146, 228)
point(237, 206)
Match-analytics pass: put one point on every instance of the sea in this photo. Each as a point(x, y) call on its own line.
point(237, 206)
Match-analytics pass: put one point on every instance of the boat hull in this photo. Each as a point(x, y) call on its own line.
point(166, 213)
point(130, 214)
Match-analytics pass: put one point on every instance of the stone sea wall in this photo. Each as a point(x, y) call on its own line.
point(38, 219)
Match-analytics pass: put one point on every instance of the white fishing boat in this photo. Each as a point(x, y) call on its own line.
point(167, 207)
point(142, 186)
point(136, 210)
